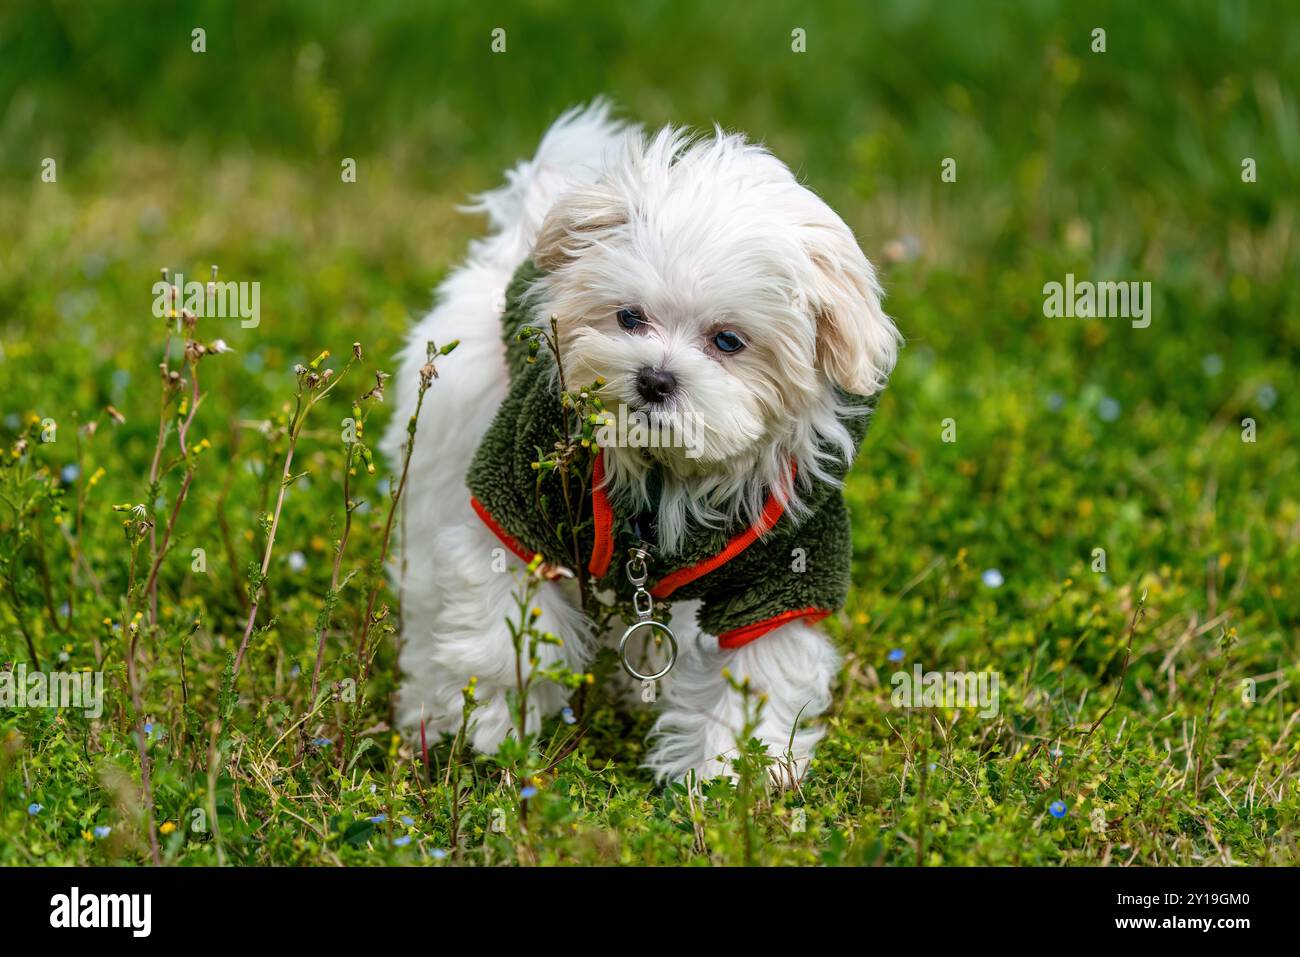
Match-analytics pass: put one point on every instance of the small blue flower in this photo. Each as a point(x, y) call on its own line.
point(1266, 395)
point(402, 841)
point(102, 831)
point(379, 819)
point(70, 473)
point(528, 792)
point(92, 265)
point(407, 820)
point(567, 715)
point(321, 742)
point(1212, 364)
point(933, 765)
point(896, 655)
point(437, 853)
point(1055, 401)
point(1056, 754)
point(297, 561)
point(148, 729)
point(34, 809)
point(295, 671)
point(1057, 808)
point(1108, 409)
point(992, 578)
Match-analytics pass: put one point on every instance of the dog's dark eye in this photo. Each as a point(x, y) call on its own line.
point(630, 318)
point(728, 341)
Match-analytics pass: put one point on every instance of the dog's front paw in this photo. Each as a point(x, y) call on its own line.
point(706, 714)
point(673, 760)
point(701, 757)
point(690, 744)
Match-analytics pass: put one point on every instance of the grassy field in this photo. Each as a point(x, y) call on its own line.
point(1162, 729)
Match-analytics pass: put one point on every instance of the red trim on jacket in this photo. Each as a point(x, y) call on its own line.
point(772, 513)
point(508, 540)
point(602, 549)
point(602, 554)
point(743, 636)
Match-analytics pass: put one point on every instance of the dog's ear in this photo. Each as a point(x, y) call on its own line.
point(579, 218)
point(857, 343)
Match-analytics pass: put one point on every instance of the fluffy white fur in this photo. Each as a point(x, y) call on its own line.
point(700, 234)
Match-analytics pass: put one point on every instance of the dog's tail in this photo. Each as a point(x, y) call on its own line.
point(572, 153)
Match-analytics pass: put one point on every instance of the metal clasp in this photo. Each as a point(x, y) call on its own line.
point(638, 573)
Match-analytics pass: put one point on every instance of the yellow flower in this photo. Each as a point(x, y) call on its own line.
point(167, 827)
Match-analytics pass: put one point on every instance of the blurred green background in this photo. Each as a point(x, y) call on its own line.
point(1073, 434)
point(1122, 164)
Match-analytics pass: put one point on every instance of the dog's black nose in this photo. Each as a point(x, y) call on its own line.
point(655, 385)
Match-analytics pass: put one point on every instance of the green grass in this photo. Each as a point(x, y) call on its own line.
point(1072, 435)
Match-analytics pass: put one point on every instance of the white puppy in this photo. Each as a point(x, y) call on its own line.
point(706, 287)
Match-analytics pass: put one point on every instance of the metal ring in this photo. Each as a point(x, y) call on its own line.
point(672, 650)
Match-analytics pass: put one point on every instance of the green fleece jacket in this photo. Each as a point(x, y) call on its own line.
point(748, 580)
